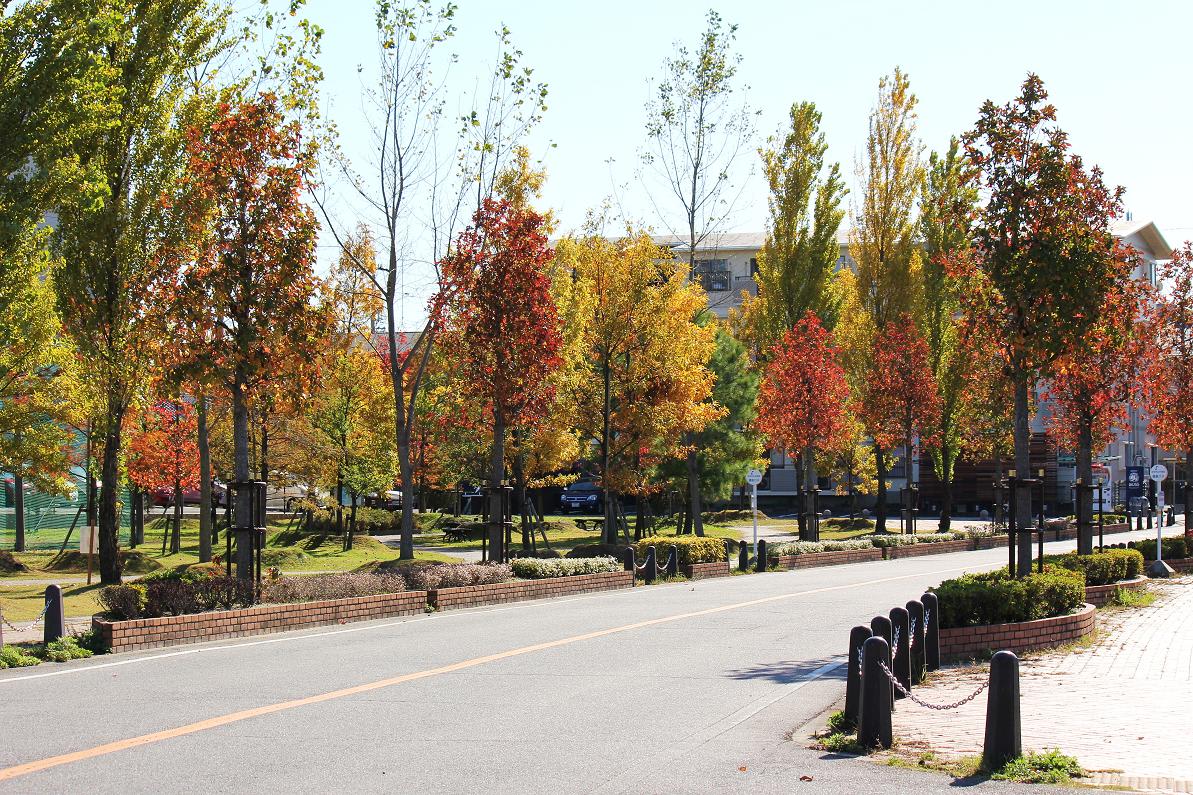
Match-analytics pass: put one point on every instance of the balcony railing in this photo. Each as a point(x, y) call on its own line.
point(714, 281)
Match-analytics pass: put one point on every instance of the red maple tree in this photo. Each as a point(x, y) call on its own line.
point(163, 455)
point(499, 319)
point(803, 398)
point(1169, 376)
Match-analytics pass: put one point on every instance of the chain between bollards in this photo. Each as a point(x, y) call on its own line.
point(907, 693)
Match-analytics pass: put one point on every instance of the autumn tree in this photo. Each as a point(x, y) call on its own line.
point(1169, 378)
point(882, 239)
point(799, 256)
point(1043, 243)
point(1092, 384)
point(698, 126)
point(900, 406)
point(163, 455)
point(948, 207)
point(802, 400)
point(248, 283)
point(416, 190)
point(498, 317)
point(110, 247)
point(643, 381)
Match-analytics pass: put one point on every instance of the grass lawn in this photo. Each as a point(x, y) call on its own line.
point(285, 548)
point(563, 533)
point(24, 603)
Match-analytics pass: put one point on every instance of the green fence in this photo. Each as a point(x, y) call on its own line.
point(48, 518)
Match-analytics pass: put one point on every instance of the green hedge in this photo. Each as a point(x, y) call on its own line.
point(995, 598)
point(543, 568)
point(1172, 547)
point(1102, 568)
point(773, 551)
point(689, 549)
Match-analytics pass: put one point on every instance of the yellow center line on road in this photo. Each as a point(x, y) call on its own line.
point(16, 771)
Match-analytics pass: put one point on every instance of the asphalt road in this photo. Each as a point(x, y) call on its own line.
point(671, 688)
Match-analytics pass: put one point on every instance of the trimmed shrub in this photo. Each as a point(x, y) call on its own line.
point(814, 547)
point(170, 598)
point(1107, 518)
point(892, 540)
point(688, 549)
point(995, 598)
point(456, 575)
point(1172, 547)
point(1101, 568)
point(195, 573)
point(61, 650)
point(124, 602)
point(539, 568)
point(223, 593)
point(936, 538)
point(14, 657)
point(315, 587)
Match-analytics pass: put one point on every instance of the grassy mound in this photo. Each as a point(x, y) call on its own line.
point(9, 564)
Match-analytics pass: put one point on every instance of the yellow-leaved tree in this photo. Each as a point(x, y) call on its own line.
point(639, 380)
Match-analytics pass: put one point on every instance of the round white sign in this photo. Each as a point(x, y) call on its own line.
point(753, 477)
point(1159, 472)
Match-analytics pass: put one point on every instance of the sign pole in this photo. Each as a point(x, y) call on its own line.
point(1158, 473)
point(753, 478)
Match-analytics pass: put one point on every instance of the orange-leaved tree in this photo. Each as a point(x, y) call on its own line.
point(1170, 375)
point(901, 404)
point(802, 403)
point(247, 280)
point(163, 455)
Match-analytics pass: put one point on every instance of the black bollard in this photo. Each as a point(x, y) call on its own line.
point(931, 603)
point(853, 681)
point(628, 560)
point(882, 628)
point(728, 549)
point(900, 650)
point(650, 566)
point(874, 725)
point(54, 626)
point(1004, 732)
point(915, 616)
point(743, 557)
point(673, 562)
point(760, 564)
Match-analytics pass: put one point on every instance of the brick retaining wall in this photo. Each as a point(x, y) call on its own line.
point(936, 548)
point(519, 590)
point(1181, 565)
point(702, 571)
point(814, 559)
point(1049, 535)
point(963, 643)
point(1098, 595)
point(150, 633)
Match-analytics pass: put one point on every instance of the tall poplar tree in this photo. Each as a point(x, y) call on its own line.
point(882, 240)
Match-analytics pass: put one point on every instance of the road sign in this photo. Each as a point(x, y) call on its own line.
point(1159, 472)
point(753, 477)
point(1134, 482)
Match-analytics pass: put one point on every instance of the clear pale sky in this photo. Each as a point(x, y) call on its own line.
point(1117, 72)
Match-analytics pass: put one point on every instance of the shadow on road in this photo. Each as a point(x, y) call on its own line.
point(787, 672)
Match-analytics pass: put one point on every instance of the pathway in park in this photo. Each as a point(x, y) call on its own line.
point(1118, 705)
point(684, 687)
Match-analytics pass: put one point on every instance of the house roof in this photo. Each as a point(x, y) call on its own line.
point(1148, 232)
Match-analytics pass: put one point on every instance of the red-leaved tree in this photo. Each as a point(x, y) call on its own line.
point(244, 300)
point(1092, 383)
point(163, 455)
point(1169, 378)
point(901, 404)
point(499, 320)
point(802, 403)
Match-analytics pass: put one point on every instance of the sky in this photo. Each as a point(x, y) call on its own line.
point(1117, 72)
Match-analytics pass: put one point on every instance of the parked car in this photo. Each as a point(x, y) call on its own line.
point(163, 497)
point(386, 501)
point(583, 495)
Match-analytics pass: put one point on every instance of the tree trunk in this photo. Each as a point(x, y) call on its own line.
point(812, 480)
point(242, 513)
point(610, 529)
point(1022, 450)
point(880, 500)
point(406, 472)
point(1188, 492)
point(340, 499)
point(351, 525)
point(109, 515)
point(18, 503)
point(946, 505)
point(998, 515)
point(176, 535)
point(205, 499)
point(801, 517)
point(694, 495)
point(1085, 496)
point(264, 451)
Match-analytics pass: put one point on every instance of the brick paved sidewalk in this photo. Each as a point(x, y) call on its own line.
point(1120, 705)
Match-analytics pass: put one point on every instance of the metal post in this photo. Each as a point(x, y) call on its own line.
point(931, 603)
point(54, 626)
point(649, 565)
point(874, 726)
point(1101, 514)
point(743, 557)
point(1012, 522)
point(754, 511)
point(915, 613)
point(1004, 732)
point(760, 560)
point(853, 680)
point(901, 624)
point(627, 558)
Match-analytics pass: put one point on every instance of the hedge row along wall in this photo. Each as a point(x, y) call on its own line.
point(519, 590)
point(965, 643)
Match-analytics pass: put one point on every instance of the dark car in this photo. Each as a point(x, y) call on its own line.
point(583, 495)
point(163, 497)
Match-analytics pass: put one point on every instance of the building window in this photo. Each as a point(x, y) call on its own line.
point(713, 274)
point(753, 267)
